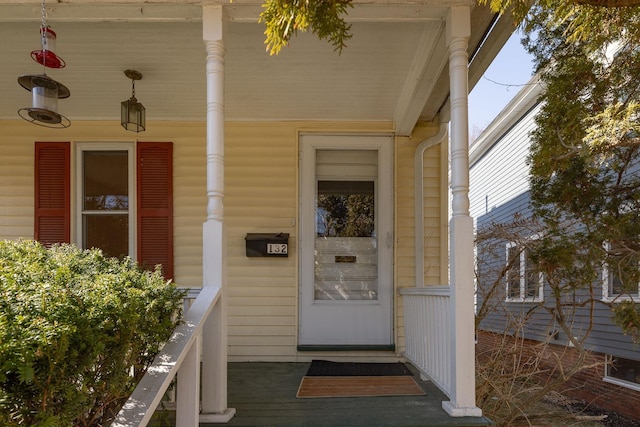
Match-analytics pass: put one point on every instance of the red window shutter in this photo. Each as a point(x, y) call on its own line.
point(155, 205)
point(52, 222)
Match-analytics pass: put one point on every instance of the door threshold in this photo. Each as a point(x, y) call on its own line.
point(387, 347)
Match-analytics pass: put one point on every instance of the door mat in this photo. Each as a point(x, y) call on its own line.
point(358, 386)
point(325, 368)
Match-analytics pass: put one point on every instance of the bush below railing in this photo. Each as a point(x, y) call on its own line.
point(139, 409)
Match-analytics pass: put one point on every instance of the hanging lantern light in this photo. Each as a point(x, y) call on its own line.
point(133, 114)
point(45, 91)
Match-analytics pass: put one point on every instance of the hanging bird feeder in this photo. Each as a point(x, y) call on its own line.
point(45, 91)
point(45, 94)
point(47, 56)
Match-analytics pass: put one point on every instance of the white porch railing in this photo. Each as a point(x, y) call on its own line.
point(181, 354)
point(427, 333)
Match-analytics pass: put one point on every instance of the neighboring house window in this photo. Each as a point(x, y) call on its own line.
point(625, 372)
point(524, 279)
point(620, 276)
point(124, 201)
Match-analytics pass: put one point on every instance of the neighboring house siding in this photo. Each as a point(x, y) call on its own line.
point(604, 337)
point(499, 193)
point(499, 183)
point(501, 173)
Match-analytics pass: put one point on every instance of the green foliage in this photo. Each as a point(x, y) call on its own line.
point(284, 18)
point(77, 332)
point(584, 159)
point(627, 314)
point(589, 19)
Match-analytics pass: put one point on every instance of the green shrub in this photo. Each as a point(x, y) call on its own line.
point(77, 332)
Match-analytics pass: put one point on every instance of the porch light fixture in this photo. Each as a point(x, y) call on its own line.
point(133, 114)
point(45, 91)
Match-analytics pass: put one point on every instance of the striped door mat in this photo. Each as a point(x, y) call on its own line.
point(331, 379)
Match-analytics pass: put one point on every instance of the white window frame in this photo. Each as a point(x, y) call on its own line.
point(605, 285)
point(523, 276)
point(618, 381)
point(81, 147)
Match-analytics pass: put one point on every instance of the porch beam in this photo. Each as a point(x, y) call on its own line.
point(87, 12)
point(191, 11)
point(420, 80)
point(214, 334)
point(463, 393)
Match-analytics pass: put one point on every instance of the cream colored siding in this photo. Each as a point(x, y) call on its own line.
point(434, 203)
point(261, 196)
point(189, 199)
point(16, 187)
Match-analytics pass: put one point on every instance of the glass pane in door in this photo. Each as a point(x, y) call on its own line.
point(346, 256)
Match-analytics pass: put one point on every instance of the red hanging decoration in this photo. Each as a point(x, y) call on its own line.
point(46, 56)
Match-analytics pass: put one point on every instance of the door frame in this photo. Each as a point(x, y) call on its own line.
point(309, 144)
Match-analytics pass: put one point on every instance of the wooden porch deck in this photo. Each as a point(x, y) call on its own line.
point(264, 394)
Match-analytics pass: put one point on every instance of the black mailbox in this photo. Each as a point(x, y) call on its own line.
point(267, 244)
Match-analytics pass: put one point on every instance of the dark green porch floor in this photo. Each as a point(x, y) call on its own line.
point(264, 394)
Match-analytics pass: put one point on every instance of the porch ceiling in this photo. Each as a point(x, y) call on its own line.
point(394, 68)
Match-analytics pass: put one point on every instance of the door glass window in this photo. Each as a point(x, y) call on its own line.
point(105, 201)
point(346, 256)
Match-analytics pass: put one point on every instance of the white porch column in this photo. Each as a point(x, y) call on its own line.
point(214, 335)
point(463, 393)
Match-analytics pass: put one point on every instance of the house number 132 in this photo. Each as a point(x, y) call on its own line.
point(277, 248)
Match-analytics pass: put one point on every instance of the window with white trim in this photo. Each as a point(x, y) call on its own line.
point(624, 372)
point(105, 210)
point(621, 273)
point(524, 278)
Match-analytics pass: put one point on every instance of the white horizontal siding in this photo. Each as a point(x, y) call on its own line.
point(502, 173)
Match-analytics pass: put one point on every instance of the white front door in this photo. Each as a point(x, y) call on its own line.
point(346, 244)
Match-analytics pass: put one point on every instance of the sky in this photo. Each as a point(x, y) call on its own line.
point(510, 71)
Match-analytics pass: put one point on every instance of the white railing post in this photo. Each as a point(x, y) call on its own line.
point(188, 403)
point(461, 225)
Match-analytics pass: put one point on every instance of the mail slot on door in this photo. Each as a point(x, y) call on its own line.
point(267, 244)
